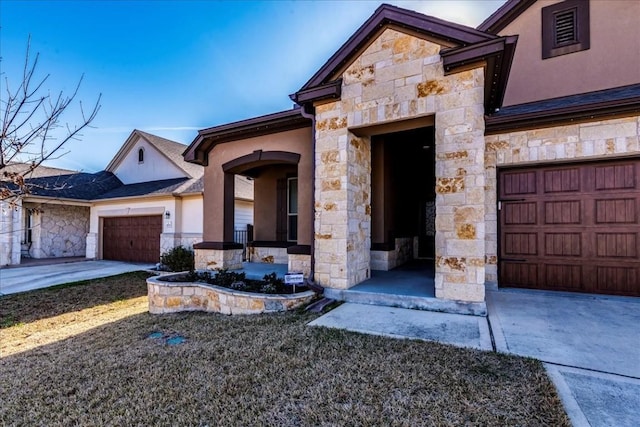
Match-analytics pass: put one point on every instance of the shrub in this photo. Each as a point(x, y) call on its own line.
point(178, 259)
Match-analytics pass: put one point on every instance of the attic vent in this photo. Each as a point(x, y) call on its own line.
point(565, 27)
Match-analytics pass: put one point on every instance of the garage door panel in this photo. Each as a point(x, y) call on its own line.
point(617, 280)
point(518, 183)
point(571, 227)
point(616, 211)
point(132, 239)
point(563, 244)
point(565, 277)
point(519, 274)
point(563, 212)
point(615, 177)
point(561, 180)
point(520, 244)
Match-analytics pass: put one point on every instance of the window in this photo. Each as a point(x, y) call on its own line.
point(141, 155)
point(565, 28)
point(292, 209)
point(28, 226)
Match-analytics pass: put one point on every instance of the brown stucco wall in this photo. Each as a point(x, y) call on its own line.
point(296, 141)
point(613, 59)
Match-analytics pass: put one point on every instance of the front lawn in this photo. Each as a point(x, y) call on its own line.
point(92, 355)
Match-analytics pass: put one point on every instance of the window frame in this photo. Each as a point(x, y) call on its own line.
point(140, 155)
point(290, 230)
point(582, 37)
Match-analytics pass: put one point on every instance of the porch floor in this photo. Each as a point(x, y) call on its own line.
point(415, 278)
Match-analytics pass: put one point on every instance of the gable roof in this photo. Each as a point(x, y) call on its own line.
point(169, 149)
point(407, 20)
point(505, 14)
point(40, 171)
point(469, 46)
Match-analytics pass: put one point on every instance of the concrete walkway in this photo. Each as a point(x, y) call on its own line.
point(590, 345)
point(21, 279)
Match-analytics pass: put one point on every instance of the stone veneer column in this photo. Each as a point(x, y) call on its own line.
point(401, 77)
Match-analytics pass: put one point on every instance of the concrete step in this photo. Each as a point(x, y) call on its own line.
point(408, 301)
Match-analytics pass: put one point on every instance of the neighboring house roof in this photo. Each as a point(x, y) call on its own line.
point(170, 149)
point(151, 188)
point(77, 186)
point(40, 171)
point(602, 103)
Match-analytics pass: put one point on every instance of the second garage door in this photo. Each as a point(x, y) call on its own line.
point(571, 227)
point(132, 239)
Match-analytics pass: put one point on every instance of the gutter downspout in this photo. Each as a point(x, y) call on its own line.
point(312, 116)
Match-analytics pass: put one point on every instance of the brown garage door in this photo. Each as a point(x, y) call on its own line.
point(132, 239)
point(571, 228)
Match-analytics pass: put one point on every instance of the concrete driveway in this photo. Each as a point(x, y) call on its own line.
point(21, 279)
point(590, 346)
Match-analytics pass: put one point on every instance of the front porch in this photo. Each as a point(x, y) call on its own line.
point(410, 285)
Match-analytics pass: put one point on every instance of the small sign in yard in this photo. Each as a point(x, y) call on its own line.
point(293, 279)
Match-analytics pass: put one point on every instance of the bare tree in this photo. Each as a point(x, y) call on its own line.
point(33, 130)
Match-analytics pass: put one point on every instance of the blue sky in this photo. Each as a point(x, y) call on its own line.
point(173, 67)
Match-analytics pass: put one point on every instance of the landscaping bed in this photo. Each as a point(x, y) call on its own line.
point(223, 292)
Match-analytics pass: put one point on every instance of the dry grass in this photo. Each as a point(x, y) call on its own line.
point(246, 370)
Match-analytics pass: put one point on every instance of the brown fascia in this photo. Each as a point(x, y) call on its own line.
point(198, 150)
point(502, 17)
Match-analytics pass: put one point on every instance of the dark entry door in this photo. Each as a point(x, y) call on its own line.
point(571, 227)
point(132, 239)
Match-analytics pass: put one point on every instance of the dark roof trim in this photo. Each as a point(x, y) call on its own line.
point(403, 18)
point(328, 91)
point(264, 125)
point(221, 246)
point(545, 117)
point(497, 53)
point(506, 14)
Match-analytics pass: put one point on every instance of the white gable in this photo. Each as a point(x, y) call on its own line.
point(155, 166)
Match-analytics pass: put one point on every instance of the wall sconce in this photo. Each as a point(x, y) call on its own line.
point(167, 215)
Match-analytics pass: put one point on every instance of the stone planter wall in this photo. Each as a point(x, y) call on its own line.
point(173, 297)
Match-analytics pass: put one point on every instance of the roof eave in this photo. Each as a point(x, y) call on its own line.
point(505, 14)
point(547, 118)
point(497, 54)
point(250, 128)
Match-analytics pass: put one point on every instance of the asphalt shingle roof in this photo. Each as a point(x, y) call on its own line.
point(81, 186)
point(580, 100)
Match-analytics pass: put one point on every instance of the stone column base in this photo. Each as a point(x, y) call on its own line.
point(215, 255)
point(300, 263)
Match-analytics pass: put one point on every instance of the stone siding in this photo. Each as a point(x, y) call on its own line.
point(387, 260)
point(10, 233)
point(300, 263)
point(173, 297)
point(401, 77)
point(60, 231)
point(212, 259)
point(267, 255)
point(169, 241)
point(605, 139)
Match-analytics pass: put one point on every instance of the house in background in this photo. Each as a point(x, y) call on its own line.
point(507, 154)
point(147, 201)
